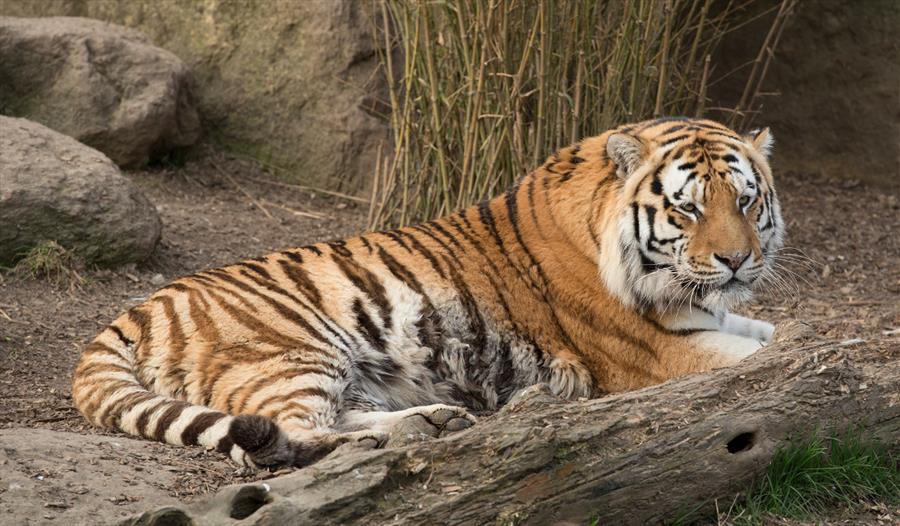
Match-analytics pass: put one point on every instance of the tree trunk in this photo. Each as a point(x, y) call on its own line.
point(640, 457)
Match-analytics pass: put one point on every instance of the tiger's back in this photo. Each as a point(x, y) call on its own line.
point(279, 359)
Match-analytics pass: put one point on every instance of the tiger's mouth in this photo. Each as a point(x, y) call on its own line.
point(727, 295)
point(732, 285)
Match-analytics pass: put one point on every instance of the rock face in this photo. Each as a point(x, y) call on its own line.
point(107, 86)
point(837, 110)
point(291, 83)
point(53, 188)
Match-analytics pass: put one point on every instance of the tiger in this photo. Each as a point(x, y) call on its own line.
point(613, 266)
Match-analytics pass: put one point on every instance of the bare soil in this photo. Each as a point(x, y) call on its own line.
point(842, 276)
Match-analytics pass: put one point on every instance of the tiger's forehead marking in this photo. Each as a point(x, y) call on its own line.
point(702, 166)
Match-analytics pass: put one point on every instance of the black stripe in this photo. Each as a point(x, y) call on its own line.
point(279, 307)
point(426, 229)
point(167, 418)
point(635, 214)
point(365, 243)
point(675, 139)
point(430, 333)
point(399, 240)
point(476, 321)
point(259, 269)
point(340, 247)
point(305, 392)
point(301, 280)
point(112, 415)
point(656, 185)
point(443, 231)
point(225, 445)
point(367, 327)
point(293, 256)
point(264, 332)
point(400, 272)
point(200, 424)
point(120, 335)
point(144, 418)
point(425, 252)
point(487, 218)
point(294, 316)
point(722, 134)
point(512, 212)
point(368, 283)
point(673, 129)
point(212, 284)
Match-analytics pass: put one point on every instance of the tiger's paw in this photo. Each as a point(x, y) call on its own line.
point(366, 439)
point(761, 331)
point(431, 421)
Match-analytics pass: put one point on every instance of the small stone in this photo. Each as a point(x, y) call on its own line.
point(157, 280)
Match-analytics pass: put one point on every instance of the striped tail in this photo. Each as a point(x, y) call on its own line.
point(108, 392)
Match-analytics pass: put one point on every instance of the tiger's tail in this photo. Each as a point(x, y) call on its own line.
point(108, 392)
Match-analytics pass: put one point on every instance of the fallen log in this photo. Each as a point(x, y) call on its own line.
point(641, 457)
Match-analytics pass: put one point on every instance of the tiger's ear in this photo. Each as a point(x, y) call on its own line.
point(762, 140)
point(627, 152)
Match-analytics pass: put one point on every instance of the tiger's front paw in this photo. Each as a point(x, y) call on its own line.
point(761, 331)
point(758, 330)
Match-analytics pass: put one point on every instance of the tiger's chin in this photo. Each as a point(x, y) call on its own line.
point(675, 295)
point(726, 297)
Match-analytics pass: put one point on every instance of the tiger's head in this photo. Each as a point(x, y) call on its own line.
point(698, 221)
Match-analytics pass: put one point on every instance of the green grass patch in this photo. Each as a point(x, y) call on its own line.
point(50, 261)
point(814, 475)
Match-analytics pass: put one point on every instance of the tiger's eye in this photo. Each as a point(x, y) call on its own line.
point(744, 200)
point(689, 207)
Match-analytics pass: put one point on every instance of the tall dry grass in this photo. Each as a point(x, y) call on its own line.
point(480, 91)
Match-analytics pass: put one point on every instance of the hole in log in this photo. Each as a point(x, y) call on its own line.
point(741, 443)
point(167, 517)
point(248, 500)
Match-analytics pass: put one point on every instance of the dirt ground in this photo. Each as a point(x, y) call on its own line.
point(842, 276)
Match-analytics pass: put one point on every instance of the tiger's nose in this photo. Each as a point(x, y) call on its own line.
point(733, 260)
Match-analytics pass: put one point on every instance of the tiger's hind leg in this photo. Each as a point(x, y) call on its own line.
point(285, 414)
point(428, 421)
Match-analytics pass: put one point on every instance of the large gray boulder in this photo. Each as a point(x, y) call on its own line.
point(106, 85)
point(295, 84)
point(53, 188)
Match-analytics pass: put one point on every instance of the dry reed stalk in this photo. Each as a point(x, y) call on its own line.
point(486, 88)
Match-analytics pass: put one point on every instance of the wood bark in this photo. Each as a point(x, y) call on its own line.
point(641, 457)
